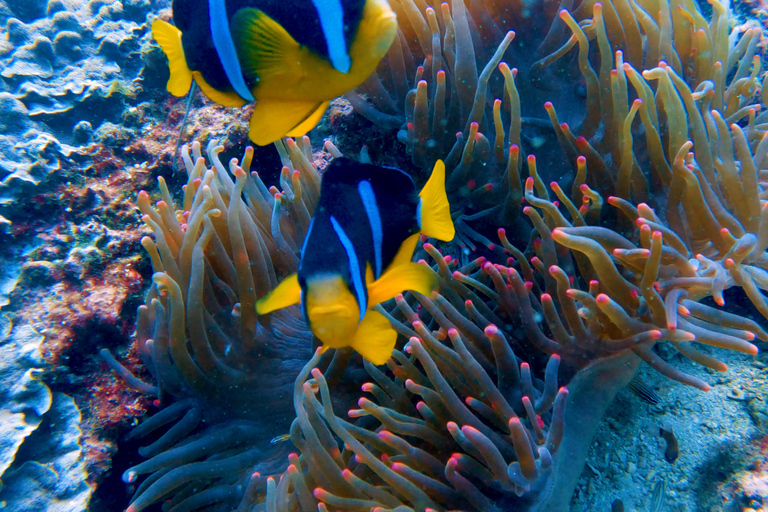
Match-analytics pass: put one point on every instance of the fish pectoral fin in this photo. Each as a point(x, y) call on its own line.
point(397, 279)
point(169, 39)
point(375, 338)
point(286, 294)
point(274, 119)
point(264, 47)
point(405, 252)
point(435, 210)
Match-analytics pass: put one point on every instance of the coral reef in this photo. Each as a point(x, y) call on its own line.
point(67, 67)
point(656, 211)
point(41, 457)
point(75, 145)
point(74, 270)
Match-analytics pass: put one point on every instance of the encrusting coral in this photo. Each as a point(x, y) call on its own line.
point(666, 208)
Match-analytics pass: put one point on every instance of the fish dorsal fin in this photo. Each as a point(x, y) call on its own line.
point(274, 119)
point(286, 294)
point(375, 338)
point(169, 39)
point(397, 279)
point(434, 207)
point(265, 47)
point(405, 252)
point(226, 99)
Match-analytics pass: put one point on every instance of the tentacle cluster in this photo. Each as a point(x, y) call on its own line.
point(442, 431)
point(225, 376)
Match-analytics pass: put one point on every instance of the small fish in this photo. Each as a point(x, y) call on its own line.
point(658, 496)
point(357, 253)
point(280, 439)
point(291, 58)
point(673, 448)
point(644, 391)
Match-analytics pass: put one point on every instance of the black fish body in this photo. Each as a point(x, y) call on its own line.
point(298, 18)
point(395, 194)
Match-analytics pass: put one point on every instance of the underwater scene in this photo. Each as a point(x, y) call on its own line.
point(383, 255)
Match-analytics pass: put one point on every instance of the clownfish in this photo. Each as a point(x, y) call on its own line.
point(357, 253)
point(290, 57)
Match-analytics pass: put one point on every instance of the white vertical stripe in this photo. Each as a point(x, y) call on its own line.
point(225, 47)
point(354, 266)
point(365, 190)
point(331, 17)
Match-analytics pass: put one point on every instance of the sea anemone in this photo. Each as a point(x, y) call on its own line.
point(225, 377)
point(663, 207)
point(447, 450)
point(705, 236)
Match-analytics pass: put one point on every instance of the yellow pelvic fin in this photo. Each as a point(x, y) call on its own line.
point(286, 294)
point(169, 39)
point(225, 99)
point(435, 210)
point(397, 279)
point(264, 47)
point(274, 119)
point(375, 338)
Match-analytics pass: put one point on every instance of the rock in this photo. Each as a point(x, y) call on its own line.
point(82, 132)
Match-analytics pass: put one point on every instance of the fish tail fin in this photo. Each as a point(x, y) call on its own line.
point(286, 294)
point(435, 217)
point(169, 39)
point(375, 338)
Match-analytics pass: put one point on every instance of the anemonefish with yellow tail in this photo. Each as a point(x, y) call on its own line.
point(357, 253)
point(290, 57)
